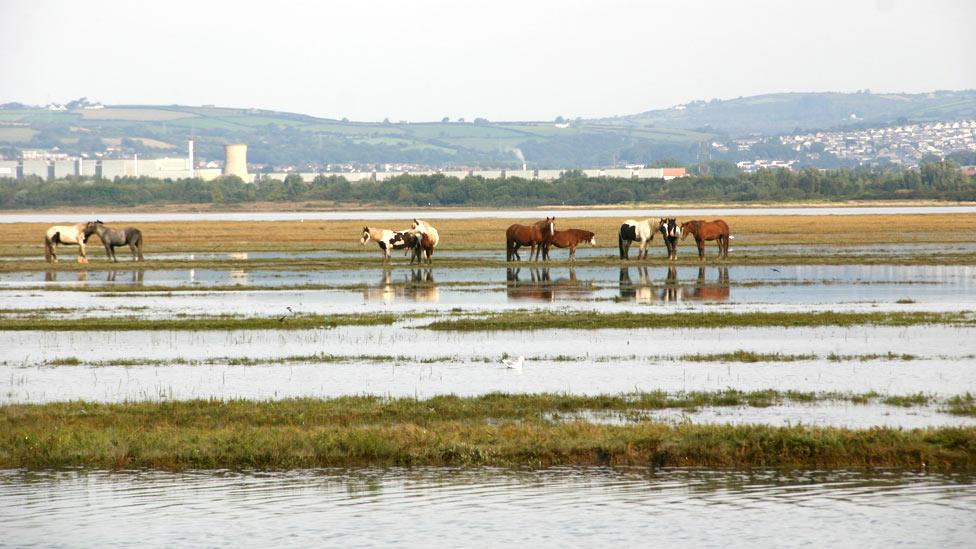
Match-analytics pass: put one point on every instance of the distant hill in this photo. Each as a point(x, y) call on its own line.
point(294, 139)
point(779, 113)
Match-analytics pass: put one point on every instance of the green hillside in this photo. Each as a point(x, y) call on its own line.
point(285, 138)
point(783, 112)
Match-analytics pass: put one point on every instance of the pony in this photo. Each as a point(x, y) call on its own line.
point(634, 231)
point(430, 236)
point(111, 238)
point(708, 230)
point(421, 244)
point(386, 239)
point(570, 238)
point(426, 228)
point(534, 235)
point(71, 235)
point(668, 227)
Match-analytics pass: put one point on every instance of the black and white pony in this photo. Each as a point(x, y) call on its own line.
point(668, 226)
point(635, 231)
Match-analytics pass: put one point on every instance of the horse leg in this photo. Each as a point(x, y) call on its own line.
point(701, 248)
point(82, 258)
point(49, 251)
point(572, 253)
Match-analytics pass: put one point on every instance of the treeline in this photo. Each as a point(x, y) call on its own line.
point(940, 180)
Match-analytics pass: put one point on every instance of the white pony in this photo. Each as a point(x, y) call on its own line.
point(72, 235)
point(423, 227)
point(636, 231)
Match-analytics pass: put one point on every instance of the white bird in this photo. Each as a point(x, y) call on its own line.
point(515, 364)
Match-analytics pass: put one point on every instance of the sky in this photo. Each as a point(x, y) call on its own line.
point(498, 59)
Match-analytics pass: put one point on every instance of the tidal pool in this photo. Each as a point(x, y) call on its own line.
point(944, 287)
point(486, 507)
point(468, 363)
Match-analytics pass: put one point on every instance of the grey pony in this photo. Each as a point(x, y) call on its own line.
point(111, 238)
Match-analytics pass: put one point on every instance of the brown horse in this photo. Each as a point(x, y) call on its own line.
point(570, 238)
point(422, 245)
point(708, 230)
point(534, 235)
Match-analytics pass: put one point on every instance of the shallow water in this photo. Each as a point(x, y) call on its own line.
point(487, 507)
point(819, 414)
point(856, 287)
point(605, 361)
point(468, 214)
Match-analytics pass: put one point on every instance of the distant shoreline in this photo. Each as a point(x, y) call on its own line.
point(307, 206)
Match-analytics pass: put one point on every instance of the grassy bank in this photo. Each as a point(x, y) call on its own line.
point(491, 430)
point(589, 320)
point(26, 239)
point(212, 322)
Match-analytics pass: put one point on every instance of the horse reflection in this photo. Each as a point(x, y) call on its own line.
point(136, 277)
point(418, 285)
point(541, 287)
point(644, 290)
point(704, 291)
point(52, 276)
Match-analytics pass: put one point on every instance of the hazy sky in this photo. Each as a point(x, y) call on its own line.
point(503, 60)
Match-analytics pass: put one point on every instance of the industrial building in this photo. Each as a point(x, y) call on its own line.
point(544, 175)
point(235, 164)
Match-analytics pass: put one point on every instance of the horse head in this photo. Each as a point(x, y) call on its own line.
point(365, 238)
point(688, 227)
point(551, 225)
point(92, 227)
point(672, 229)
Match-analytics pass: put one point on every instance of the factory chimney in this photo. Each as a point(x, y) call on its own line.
point(235, 161)
point(189, 150)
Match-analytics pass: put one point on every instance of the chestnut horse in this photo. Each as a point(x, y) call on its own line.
point(570, 238)
point(534, 235)
point(708, 230)
point(422, 245)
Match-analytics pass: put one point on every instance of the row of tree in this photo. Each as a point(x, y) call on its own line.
point(939, 180)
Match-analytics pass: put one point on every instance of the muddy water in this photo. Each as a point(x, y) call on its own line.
point(486, 507)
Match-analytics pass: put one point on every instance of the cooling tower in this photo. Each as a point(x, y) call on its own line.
point(235, 161)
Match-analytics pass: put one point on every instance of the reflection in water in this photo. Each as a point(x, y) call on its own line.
point(703, 291)
point(671, 289)
point(52, 276)
point(119, 276)
point(563, 506)
point(417, 285)
point(541, 287)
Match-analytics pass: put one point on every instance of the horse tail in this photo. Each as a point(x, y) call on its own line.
point(48, 249)
point(137, 242)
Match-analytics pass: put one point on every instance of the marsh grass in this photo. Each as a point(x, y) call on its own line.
point(746, 356)
point(183, 322)
point(962, 405)
point(487, 232)
point(495, 429)
point(522, 320)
